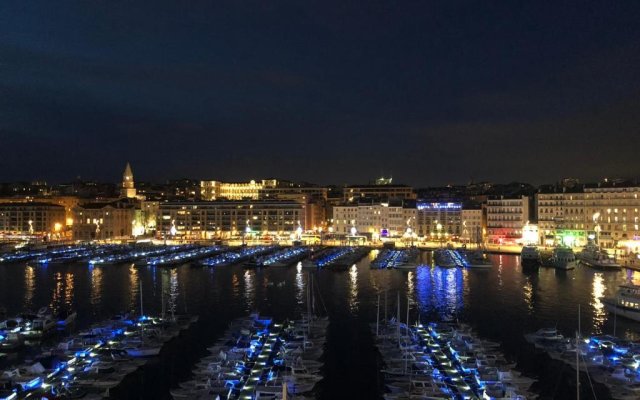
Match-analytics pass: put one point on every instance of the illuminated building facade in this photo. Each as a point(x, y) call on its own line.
point(506, 218)
point(439, 220)
point(224, 219)
point(104, 221)
point(375, 219)
point(31, 218)
point(382, 192)
point(608, 215)
point(472, 226)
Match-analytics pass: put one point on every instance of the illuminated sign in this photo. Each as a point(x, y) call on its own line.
point(439, 206)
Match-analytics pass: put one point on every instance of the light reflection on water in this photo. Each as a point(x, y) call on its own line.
point(96, 285)
point(173, 292)
point(527, 292)
point(353, 289)
point(134, 287)
point(249, 289)
point(299, 284)
point(57, 291)
point(439, 290)
point(29, 286)
point(599, 313)
point(68, 290)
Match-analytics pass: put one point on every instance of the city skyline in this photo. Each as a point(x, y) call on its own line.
point(433, 92)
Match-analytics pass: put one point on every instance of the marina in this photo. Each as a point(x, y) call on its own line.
point(229, 291)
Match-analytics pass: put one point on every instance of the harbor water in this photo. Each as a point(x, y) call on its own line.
point(501, 304)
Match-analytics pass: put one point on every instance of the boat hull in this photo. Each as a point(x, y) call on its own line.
point(628, 313)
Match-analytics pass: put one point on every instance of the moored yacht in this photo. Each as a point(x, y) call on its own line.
point(530, 254)
point(626, 302)
point(595, 257)
point(563, 258)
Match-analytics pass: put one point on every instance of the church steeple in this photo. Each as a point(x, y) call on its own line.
point(128, 189)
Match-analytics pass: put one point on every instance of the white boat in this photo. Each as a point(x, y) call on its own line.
point(40, 326)
point(595, 257)
point(530, 254)
point(563, 258)
point(546, 334)
point(626, 302)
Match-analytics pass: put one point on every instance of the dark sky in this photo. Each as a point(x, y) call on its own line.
point(432, 92)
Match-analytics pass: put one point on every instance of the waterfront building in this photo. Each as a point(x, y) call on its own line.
point(216, 190)
point(104, 220)
point(387, 192)
point(473, 225)
point(264, 189)
point(439, 221)
point(31, 218)
point(228, 218)
point(606, 213)
point(561, 217)
point(506, 216)
point(375, 219)
point(68, 202)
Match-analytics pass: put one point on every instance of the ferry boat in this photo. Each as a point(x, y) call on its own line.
point(594, 257)
point(530, 254)
point(626, 303)
point(563, 258)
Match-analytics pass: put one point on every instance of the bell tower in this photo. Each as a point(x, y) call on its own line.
point(128, 189)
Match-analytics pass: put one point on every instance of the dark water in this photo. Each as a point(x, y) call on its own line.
point(501, 304)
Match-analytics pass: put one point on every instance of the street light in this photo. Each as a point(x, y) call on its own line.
point(439, 228)
point(595, 217)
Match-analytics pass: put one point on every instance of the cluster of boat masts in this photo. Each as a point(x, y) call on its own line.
point(607, 359)
point(89, 364)
point(563, 257)
point(259, 359)
point(444, 361)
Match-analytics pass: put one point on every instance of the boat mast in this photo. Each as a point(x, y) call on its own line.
point(398, 318)
point(141, 306)
point(615, 315)
point(408, 301)
point(578, 357)
point(386, 321)
point(378, 316)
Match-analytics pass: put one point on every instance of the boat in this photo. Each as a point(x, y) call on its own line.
point(477, 259)
point(530, 254)
point(563, 258)
point(626, 303)
point(592, 256)
point(66, 318)
point(443, 258)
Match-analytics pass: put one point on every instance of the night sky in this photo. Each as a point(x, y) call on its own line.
point(330, 92)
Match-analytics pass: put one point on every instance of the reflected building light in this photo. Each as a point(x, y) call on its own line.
point(299, 285)
point(249, 289)
point(527, 293)
point(29, 286)
point(57, 292)
point(173, 292)
point(597, 293)
point(353, 286)
point(410, 284)
point(68, 290)
point(96, 285)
